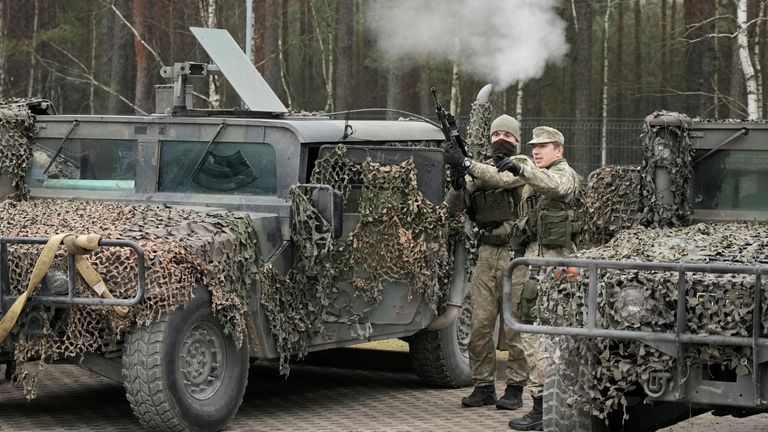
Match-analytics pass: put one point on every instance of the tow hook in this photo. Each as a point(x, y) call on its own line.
point(656, 384)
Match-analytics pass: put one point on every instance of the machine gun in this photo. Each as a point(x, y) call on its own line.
point(453, 140)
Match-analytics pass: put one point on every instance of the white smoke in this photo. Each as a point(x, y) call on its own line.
point(502, 41)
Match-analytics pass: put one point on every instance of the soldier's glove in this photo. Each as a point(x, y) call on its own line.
point(454, 158)
point(509, 165)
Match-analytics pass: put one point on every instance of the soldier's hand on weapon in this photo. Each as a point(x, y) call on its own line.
point(455, 158)
point(508, 164)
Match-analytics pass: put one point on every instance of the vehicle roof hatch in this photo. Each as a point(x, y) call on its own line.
point(239, 71)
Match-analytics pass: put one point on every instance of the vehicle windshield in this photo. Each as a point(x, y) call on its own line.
point(227, 168)
point(101, 164)
point(731, 180)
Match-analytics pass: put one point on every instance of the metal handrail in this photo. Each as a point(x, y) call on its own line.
point(679, 338)
point(70, 298)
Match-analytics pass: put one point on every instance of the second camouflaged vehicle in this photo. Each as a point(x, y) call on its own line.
point(227, 235)
point(667, 318)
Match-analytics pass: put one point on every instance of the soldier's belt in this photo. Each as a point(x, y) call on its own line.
point(493, 239)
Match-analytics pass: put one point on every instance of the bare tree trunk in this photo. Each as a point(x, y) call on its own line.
point(92, 86)
point(604, 137)
point(208, 14)
point(638, 75)
point(519, 102)
point(283, 50)
point(259, 44)
point(272, 44)
point(2, 49)
point(742, 39)
point(120, 70)
point(425, 102)
point(344, 57)
point(456, 81)
point(619, 61)
point(699, 56)
point(305, 33)
point(33, 54)
point(394, 76)
point(663, 72)
point(758, 69)
point(326, 56)
point(582, 78)
point(143, 96)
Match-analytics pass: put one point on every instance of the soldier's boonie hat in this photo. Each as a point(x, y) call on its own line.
point(506, 123)
point(546, 134)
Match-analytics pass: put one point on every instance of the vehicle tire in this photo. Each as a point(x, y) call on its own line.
point(182, 373)
point(440, 358)
point(559, 415)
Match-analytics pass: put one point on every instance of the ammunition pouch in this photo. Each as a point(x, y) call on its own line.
point(520, 236)
point(530, 293)
point(491, 207)
point(554, 228)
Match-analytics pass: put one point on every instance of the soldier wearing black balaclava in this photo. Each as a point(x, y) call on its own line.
point(494, 210)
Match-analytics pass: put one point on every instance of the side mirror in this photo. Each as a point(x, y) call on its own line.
point(330, 204)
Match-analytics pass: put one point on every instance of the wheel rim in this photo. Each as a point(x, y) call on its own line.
point(203, 360)
point(464, 325)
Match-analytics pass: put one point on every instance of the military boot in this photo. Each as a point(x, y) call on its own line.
point(534, 420)
point(483, 395)
point(512, 399)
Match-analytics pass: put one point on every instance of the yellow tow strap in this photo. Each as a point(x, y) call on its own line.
point(77, 245)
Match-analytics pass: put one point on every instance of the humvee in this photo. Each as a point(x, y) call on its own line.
point(257, 154)
point(727, 184)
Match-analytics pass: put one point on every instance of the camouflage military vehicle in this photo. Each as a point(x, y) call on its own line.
point(226, 236)
point(666, 318)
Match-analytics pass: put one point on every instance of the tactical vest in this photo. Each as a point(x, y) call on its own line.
point(552, 223)
point(491, 208)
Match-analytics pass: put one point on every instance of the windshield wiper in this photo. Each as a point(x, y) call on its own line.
point(207, 152)
point(55, 156)
point(742, 132)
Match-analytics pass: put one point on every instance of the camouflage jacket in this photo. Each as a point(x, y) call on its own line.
point(481, 177)
point(556, 184)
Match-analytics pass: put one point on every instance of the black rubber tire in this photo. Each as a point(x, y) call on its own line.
point(559, 415)
point(162, 363)
point(440, 357)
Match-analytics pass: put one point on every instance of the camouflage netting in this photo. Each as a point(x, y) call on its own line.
point(17, 128)
point(478, 131)
point(183, 249)
point(612, 203)
point(400, 236)
point(647, 301)
point(666, 145)
point(623, 197)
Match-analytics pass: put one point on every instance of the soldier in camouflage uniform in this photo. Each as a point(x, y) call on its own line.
point(494, 210)
point(545, 227)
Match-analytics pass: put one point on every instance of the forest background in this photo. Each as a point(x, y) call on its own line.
point(576, 64)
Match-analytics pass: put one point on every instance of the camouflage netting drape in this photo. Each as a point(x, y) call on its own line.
point(647, 301)
point(623, 197)
point(666, 145)
point(400, 236)
point(17, 127)
point(478, 131)
point(626, 218)
point(183, 249)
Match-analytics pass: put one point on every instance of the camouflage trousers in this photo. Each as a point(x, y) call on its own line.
point(535, 346)
point(486, 305)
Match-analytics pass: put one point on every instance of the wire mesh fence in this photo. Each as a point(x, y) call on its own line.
point(583, 137)
point(583, 141)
